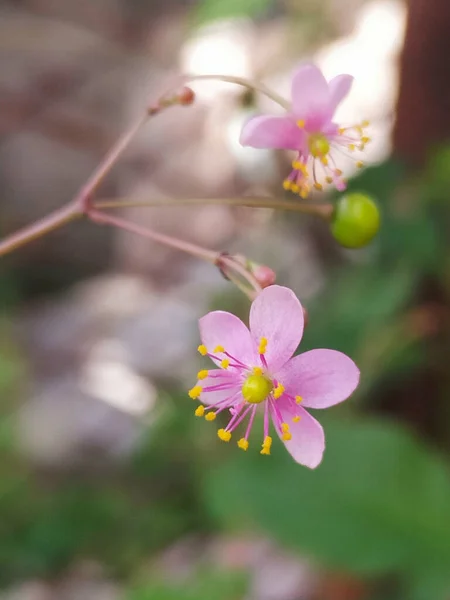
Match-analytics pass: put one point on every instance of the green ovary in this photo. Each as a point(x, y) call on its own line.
point(318, 145)
point(256, 388)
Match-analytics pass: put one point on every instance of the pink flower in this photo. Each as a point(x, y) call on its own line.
point(309, 129)
point(257, 367)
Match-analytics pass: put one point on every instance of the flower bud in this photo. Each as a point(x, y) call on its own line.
point(355, 221)
point(264, 275)
point(186, 96)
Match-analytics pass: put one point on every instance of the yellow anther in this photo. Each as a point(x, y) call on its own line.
point(351, 147)
point(202, 374)
point(199, 411)
point(262, 345)
point(286, 437)
point(328, 179)
point(210, 416)
point(195, 392)
point(338, 172)
point(219, 349)
point(365, 139)
point(341, 130)
point(324, 160)
point(266, 445)
point(257, 371)
point(304, 193)
point(284, 428)
point(360, 164)
point(318, 186)
point(304, 169)
point(278, 391)
point(296, 419)
point(224, 435)
point(225, 363)
point(287, 184)
point(243, 444)
point(365, 124)
point(295, 188)
point(301, 123)
point(297, 165)
point(298, 399)
point(202, 349)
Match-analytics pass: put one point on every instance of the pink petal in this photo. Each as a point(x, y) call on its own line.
point(321, 377)
point(308, 439)
point(339, 87)
point(218, 377)
point(310, 96)
point(277, 315)
point(271, 132)
point(221, 328)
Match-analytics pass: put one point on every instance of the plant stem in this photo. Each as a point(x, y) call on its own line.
point(197, 251)
point(251, 85)
point(53, 221)
point(84, 195)
point(324, 211)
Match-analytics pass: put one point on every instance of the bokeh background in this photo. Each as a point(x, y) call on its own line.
point(109, 487)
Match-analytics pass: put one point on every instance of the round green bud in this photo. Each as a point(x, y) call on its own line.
point(355, 220)
point(256, 388)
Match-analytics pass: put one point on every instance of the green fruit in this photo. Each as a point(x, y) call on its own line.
point(355, 221)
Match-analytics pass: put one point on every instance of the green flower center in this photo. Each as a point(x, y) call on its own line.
point(256, 388)
point(318, 145)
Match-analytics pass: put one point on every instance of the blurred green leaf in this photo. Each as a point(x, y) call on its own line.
point(205, 586)
point(379, 502)
point(210, 10)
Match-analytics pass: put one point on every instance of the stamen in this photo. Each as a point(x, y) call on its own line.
point(287, 184)
point(286, 434)
point(278, 391)
point(219, 349)
point(267, 444)
point(296, 419)
point(202, 374)
point(199, 411)
point(243, 444)
point(195, 392)
point(257, 371)
point(225, 363)
point(262, 346)
point(298, 399)
point(202, 349)
point(301, 123)
point(224, 435)
point(210, 416)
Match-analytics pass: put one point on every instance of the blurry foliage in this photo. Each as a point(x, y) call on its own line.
point(211, 10)
point(377, 504)
point(205, 585)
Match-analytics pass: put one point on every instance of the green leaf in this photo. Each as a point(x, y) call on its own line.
point(379, 501)
point(210, 10)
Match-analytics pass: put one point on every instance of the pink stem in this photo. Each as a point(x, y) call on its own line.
point(106, 219)
point(54, 220)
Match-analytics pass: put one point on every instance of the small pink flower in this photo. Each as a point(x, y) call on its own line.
point(257, 367)
point(309, 129)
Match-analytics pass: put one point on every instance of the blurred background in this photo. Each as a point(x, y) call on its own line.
point(109, 487)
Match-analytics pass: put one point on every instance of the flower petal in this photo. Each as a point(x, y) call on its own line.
point(221, 328)
point(310, 96)
point(219, 377)
point(308, 439)
point(267, 131)
point(321, 377)
point(277, 315)
point(339, 87)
